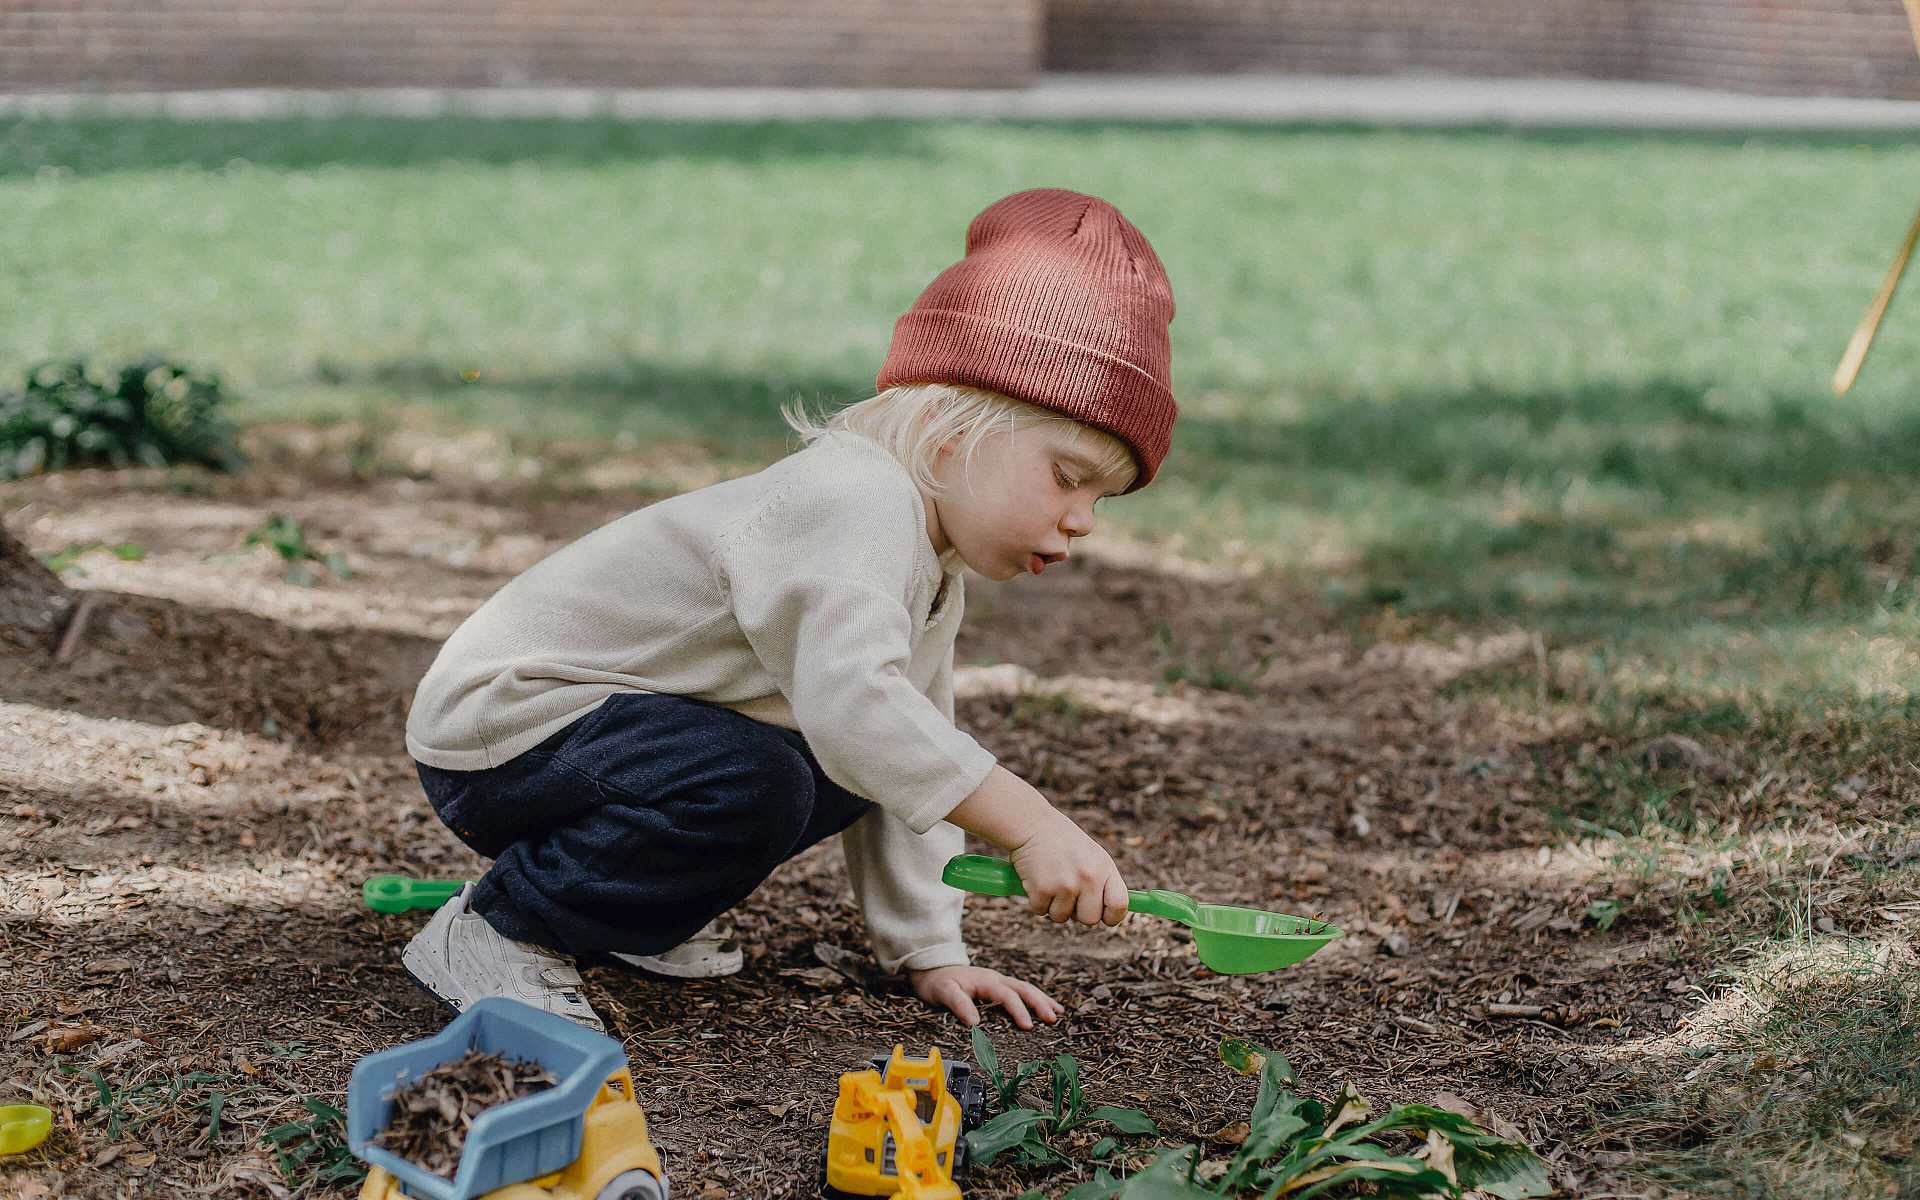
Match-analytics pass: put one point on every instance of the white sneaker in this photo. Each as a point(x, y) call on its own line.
point(459, 959)
point(708, 954)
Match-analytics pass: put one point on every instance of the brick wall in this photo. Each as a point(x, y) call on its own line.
point(1800, 47)
point(1789, 47)
point(132, 45)
point(1834, 47)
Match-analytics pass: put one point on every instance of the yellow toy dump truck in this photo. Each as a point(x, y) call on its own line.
point(899, 1129)
point(584, 1138)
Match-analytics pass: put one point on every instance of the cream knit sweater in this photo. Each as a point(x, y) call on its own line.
point(807, 596)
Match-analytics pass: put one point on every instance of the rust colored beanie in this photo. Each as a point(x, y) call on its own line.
point(1059, 302)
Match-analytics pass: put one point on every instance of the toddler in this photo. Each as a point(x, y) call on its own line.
point(639, 729)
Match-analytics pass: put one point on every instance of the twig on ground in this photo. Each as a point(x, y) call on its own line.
point(76, 627)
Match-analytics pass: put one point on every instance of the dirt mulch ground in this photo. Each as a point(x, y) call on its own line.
point(188, 808)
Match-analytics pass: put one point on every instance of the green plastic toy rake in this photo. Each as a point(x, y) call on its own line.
point(1229, 940)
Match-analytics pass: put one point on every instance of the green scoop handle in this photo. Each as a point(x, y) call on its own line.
point(398, 893)
point(996, 877)
point(1226, 938)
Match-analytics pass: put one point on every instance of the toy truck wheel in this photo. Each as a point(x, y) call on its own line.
point(827, 1190)
point(633, 1185)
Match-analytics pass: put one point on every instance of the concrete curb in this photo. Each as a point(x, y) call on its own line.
point(1268, 99)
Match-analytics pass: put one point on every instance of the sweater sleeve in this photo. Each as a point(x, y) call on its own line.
point(817, 581)
point(913, 920)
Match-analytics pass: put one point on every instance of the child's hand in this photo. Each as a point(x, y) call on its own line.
point(1068, 876)
point(958, 987)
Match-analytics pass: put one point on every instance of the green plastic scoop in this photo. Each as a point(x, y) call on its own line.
point(1230, 940)
point(398, 893)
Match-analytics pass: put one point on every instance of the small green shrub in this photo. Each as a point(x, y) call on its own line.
point(150, 413)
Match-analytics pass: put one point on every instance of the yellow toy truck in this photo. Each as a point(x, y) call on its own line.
point(585, 1138)
point(899, 1128)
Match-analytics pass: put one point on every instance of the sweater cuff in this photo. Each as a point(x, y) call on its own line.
point(943, 954)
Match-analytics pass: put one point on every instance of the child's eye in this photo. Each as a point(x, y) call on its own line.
point(1060, 477)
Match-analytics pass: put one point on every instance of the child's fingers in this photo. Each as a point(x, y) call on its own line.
point(1045, 1007)
point(1007, 997)
point(956, 998)
point(1092, 906)
point(1060, 905)
point(1116, 900)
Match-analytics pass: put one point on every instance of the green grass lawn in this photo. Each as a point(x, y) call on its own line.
point(1572, 383)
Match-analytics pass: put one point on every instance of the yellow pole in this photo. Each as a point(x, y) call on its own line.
point(1862, 339)
point(1870, 324)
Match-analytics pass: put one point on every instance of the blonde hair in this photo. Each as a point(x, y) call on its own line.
point(915, 420)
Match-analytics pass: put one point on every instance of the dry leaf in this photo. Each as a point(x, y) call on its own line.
point(852, 965)
point(117, 1051)
point(1439, 1154)
point(66, 1041)
point(820, 977)
point(1479, 1114)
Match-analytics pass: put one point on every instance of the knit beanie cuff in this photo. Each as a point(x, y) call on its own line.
point(1088, 385)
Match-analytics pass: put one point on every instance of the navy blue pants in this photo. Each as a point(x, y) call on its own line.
point(637, 824)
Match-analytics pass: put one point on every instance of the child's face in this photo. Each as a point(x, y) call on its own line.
point(1016, 506)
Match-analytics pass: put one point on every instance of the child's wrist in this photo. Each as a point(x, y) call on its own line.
point(1050, 827)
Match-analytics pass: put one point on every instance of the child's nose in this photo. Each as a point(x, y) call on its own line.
point(1078, 521)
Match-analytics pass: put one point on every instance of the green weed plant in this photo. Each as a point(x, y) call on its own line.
point(1031, 1136)
point(313, 1149)
point(163, 1106)
point(284, 536)
point(67, 558)
point(1295, 1147)
point(1216, 672)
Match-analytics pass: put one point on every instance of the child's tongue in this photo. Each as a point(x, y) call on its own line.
point(1036, 564)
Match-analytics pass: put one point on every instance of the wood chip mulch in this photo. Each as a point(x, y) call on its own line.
point(431, 1115)
point(189, 805)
